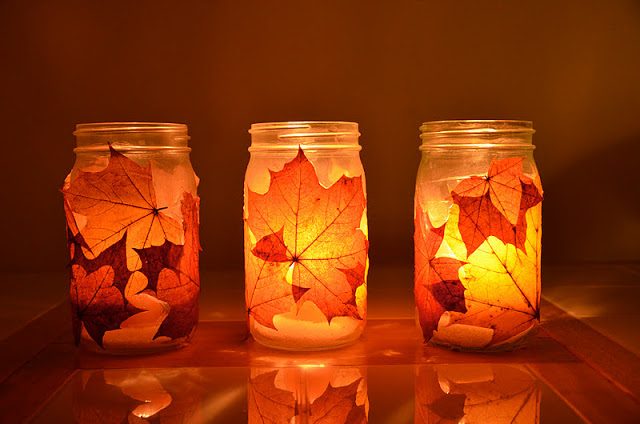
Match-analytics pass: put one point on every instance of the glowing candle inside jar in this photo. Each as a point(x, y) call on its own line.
point(477, 236)
point(305, 236)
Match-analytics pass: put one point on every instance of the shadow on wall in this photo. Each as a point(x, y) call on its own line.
point(593, 216)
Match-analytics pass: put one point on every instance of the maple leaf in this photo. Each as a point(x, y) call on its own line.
point(267, 293)
point(96, 302)
point(531, 196)
point(308, 234)
point(502, 183)
point(267, 403)
point(502, 283)
point(114, 256)
point(437, 285)
point(119, 199)
point(178, 282)
point(336, 405)
point(495, 205)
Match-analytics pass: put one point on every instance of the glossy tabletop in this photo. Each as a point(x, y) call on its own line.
point(581, 366)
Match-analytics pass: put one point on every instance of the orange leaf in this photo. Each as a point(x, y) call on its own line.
point(503, 185)
point(337, 405)
point(124, 224)
point(495, 205)
point(267, 403)
point(310, 234)
point(437, 285)
point(116, 199)
point(178, 283)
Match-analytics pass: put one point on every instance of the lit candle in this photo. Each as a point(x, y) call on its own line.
point(477, 234)
point(305, 235)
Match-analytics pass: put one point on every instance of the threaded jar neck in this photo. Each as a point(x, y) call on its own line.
point(131, 136)
point(464, 134)
point(315, 135)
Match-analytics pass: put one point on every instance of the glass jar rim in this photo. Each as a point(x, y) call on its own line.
point(129, 127)
point(477, 133)
point(131, 136)
point(313, 135)
point(294, 129)
point(476, 127)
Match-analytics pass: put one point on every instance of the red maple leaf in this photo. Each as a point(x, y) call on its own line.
point(495, 205)
point(531, 196)
point(97, 302)
point(437, 285)
point(337, 405)
point(267, 403)
point(310, 232)
point(178, 283)
point(114, 256)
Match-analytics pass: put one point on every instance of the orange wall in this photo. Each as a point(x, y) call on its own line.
point(573, 67)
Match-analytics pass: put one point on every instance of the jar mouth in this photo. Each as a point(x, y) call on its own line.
point(310, 134)
point(128, 127)
point(477, 133)
point(291, 129)
point(131, 136)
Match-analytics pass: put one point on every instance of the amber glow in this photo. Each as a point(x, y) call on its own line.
point(478, 270)
point(482, 393)
point(301, 395)
point(140, 395)
point(305, 250)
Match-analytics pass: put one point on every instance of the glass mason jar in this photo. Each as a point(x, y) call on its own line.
point(477, 234)
point(132, 227)
point(305, 231)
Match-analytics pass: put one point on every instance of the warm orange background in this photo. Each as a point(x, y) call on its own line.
point(573, 67)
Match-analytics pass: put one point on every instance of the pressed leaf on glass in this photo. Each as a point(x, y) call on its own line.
point(305, 244)
point(437, 285)
point(118, 232)
point(492, 240)
point(118, 199)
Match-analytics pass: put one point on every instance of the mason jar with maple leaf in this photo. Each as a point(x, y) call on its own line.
point(132, 228)
point(478, 210)
point(306, 239)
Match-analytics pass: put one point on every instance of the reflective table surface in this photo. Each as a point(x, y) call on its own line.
point(580, 366)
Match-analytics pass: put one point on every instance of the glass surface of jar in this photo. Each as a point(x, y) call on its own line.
point(478, 210)
point(132, 215)
point(306, 238)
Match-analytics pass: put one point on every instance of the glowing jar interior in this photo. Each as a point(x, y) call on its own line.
point(448, 159)
point(333, 154)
